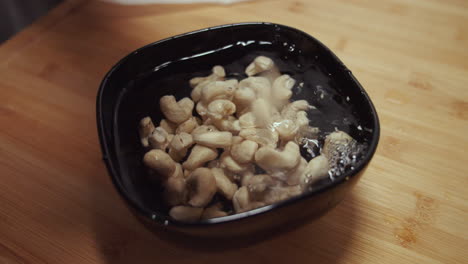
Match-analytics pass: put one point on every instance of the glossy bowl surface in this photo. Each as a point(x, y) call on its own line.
point(132, 88)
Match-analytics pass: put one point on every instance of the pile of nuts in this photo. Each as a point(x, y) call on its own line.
point(240, 128)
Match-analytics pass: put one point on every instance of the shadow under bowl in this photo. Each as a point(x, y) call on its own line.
point(132, 88)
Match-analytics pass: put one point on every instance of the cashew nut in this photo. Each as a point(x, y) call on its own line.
point(260, 64)
point(208, 121)
point(241, 201)
point(264, 188)
point(198, 83)
point(287, 129)
point(233, 177)
point(290, 110)
point(263, 136)
point(175, 191)
point(201, 109)
point(246, 176)
point(213, 164)
point(221, 108)
point(230, 164)
point(301, 119)
point(276, 194)
point(159, 139)
point(230, 124)
point(160, 161)
point(213, 211)
point(259, 184)
point(244, 151)
point(187, 173)
point(179, 145)
point(281, 89)
point(262, 111)
point(186, 213)
point(295, 177)
point(271, 159)
point(316, 169)
point(204, 129)
point(306, 134)
point(333, 141)
point(243, 97)
point(217, 74)
point(237, 140)
point(202, 186)
point(260, 85)
point(272, 74)
point(168, 126)
point(189, 125)
point(224, 185)
point(247, 120)
point(145, 129)
point(218, 90)
point(214, 139)
point(176, 112)
point(196, 92)
point(199, 156)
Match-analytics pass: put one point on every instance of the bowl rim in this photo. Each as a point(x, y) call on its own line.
point(165, 221)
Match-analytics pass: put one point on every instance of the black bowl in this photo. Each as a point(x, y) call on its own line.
point(132, 88)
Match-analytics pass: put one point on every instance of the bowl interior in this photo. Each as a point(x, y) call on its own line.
point(132, 89)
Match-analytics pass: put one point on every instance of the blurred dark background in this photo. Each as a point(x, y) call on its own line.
point(17, 14)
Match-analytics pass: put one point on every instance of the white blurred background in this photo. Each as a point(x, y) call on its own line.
point(143, 2)
point(17, 14)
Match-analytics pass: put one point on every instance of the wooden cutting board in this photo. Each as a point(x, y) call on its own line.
point(57, 204)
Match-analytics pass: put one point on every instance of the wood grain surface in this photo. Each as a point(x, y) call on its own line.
point(57, 204)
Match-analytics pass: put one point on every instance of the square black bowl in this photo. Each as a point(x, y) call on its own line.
point(132, 88)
